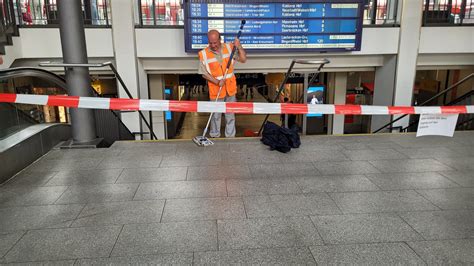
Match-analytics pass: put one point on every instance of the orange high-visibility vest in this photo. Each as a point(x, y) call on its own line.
point(208, 58)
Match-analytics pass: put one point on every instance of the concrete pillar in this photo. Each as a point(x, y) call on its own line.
point(340, 88)
point(123, 33)
point(73, 43)
point(409, 42)
point(384, 90)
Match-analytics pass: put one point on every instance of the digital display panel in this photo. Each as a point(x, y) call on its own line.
point(315, 96)
point(309, 25)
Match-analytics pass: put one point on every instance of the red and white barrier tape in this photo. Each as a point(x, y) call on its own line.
point(231, 107)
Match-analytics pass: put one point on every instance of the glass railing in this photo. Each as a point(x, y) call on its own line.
point(381, 12)
point(448, 12)
point(45, 12)
point(16, 117)
point(159, 13)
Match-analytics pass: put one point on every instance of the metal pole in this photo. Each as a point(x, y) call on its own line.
point(73, 43)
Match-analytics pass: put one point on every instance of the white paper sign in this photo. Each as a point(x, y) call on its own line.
point(437, 125)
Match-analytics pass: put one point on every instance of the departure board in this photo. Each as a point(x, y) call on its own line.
point(273, 25)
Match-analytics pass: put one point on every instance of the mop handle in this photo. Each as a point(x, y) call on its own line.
point(231, 58)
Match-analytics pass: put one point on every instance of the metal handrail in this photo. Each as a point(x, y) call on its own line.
point(430, 100)
point(117, 75)
point(321, 64)
point(453, 102)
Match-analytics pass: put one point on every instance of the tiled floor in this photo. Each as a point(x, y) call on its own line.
point(353, 199)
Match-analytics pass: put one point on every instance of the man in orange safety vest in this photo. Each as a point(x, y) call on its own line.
point(213, 62)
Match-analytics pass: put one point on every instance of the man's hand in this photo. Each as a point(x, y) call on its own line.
point(221, 82)
point(237, 43)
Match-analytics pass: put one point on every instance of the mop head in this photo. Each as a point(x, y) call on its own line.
point(202, 141)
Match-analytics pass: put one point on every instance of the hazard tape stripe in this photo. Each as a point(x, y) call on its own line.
point(374, 110)
point(8, 97)
point(60, 100)
point(95, 103)
point(239, 108)
point(401, 110)
point(453, 109)
point(32, 99)
point(227, 107)
point(348, 109)
point(428, 110)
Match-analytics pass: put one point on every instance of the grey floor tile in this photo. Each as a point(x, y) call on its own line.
point(283, 170)
point(151, 150)
point(425, 142)
point(160, 259)
point(143, 239)
point(381, 201)
point(42, 263)
point(118, 213)
point(240, 187)
point(438, 225)
point(84, 177)
point(65, 154)
point(218, 172)
point(7, 240)
point(265, 157)
point(427, 153)
point(37, 217)
point(189, 160)
point(463, 178)
point(98, 193)
point(367, 145)
point(363, 228)
point(62, 244)
point(290, 205)
point(63, 165)
point(139, 175)
point(366, 254)
point(24, 196)
point(130, 162)
point(445, 252)
point(452, 198)
point(334, 183)
point(267, 233)
point(461, 163)
point(203, 209)
point(399, 181)
point(313, 146)
point(315, 156)
point(246, 148)
point(365, 155)
point(30, 179)
point(344, 168)
point(181, 189)
point(276, 256)
point(410, 166)
point(126, 145)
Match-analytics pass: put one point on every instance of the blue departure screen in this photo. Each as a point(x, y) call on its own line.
point(321, 25)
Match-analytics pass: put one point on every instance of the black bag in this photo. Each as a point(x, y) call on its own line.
point(292, 136)
point(279, 138)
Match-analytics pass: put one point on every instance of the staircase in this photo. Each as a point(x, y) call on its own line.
point(8, 26)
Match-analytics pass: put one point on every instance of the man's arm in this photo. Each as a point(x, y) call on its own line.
point(207, 76)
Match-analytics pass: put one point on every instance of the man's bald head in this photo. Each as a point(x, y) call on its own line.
point(214, 40)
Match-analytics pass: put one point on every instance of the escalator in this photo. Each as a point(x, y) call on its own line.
point(27, 132)
point(109, 125)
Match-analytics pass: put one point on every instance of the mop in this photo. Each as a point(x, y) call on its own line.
point(203, 140)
